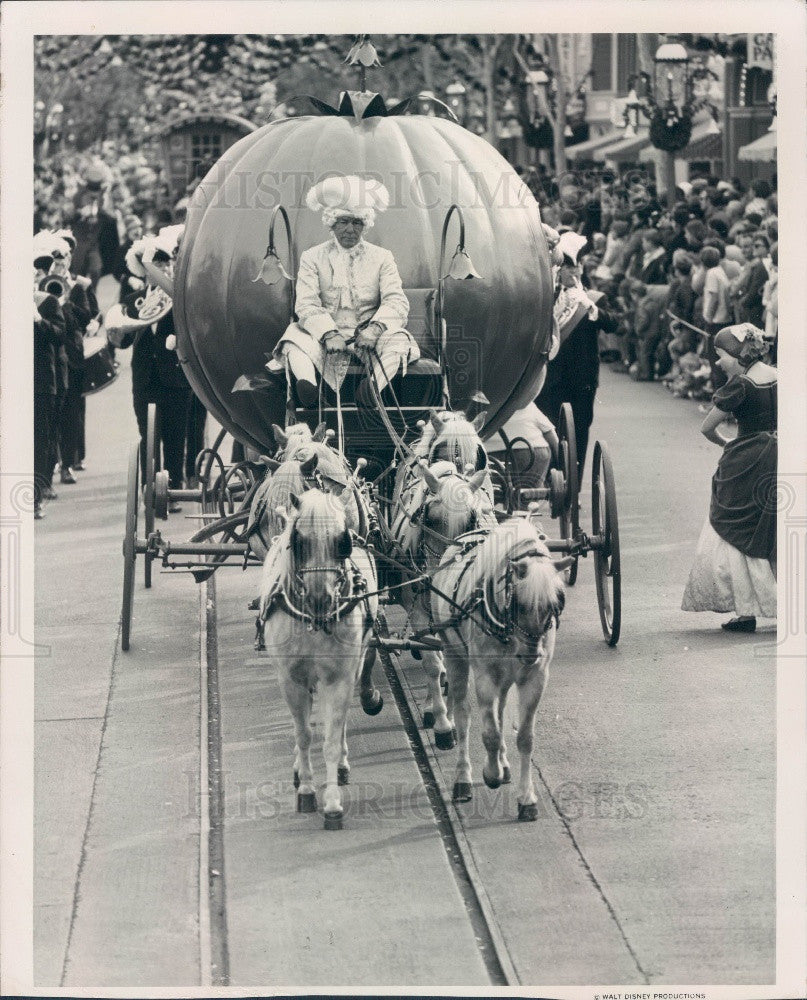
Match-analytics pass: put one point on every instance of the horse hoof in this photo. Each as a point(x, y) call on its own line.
point(445, 741)
point(334, 820)
point(296, 779)
point(372, 702)
point(462, 791)
point(491, 782)
point(306, 802)
point(342, 775)
point(416, 654)
point(506, 777)
point(254, 604)
point(428, 720)
point(444, 685)
point(527, 813)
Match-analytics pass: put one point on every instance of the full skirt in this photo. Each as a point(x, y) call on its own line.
point(723, 579)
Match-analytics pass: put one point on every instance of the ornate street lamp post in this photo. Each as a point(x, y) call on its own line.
point(456, 93)
point(671, 109)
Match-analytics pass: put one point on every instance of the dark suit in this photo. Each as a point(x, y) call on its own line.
point(49, 336)
point(157, 377)
point(80, 308)
point(573, 376)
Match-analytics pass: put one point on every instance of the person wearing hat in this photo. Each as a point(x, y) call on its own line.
point(157, 375)
point(735, 563)
point(95, 229)
point(349, 297)
point(49, 337)
point(572, 375)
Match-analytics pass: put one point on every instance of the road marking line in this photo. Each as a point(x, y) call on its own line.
point(205, 954)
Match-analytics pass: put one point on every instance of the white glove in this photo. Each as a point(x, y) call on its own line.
point(171, 342)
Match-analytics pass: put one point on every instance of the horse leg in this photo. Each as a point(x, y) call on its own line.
point(336, 698)
point(437, 714)
point(458, 667)
point(486, 695)
point(504, 690)
point(529, 694)
point(343, 770)
point(298, 698)
point(371, 700)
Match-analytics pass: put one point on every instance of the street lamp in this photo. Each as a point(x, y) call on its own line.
point(456, 100)
point(426, 100)
point(477, 122)
point(670, 107)
point(631, 113)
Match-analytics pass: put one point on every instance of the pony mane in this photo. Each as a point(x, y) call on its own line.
point(456, 442)
point(542, 587)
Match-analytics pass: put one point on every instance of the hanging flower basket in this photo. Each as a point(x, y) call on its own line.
point(670, 137)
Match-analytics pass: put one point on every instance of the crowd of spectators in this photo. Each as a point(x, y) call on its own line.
point(673, 276)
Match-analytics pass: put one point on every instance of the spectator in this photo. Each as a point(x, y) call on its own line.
point(649, 325)
point(654, 259)
point(716, 307)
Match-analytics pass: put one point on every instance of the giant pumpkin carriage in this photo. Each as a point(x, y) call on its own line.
point(484, 327)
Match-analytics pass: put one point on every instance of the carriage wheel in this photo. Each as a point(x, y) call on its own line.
point(129, 545)
point(148, 496)
point(606, 558)
point(570, 516)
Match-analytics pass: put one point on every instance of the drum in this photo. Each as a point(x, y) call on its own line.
point(99, 371)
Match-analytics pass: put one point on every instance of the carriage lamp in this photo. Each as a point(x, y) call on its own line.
point(460, 267)
point(272, 270)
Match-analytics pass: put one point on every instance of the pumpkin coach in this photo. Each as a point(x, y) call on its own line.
point(476, 269)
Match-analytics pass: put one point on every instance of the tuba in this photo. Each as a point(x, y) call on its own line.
point(56, 285)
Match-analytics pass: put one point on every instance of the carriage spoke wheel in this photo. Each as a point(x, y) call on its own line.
point(152, 445)
point(605, 521)
point(130, 545)
point(570, 514)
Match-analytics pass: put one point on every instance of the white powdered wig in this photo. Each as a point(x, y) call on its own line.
point(349, 195)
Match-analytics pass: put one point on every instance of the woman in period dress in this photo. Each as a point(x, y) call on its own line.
point(735, 563)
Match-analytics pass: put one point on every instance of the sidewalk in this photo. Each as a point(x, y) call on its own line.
point(116, 736)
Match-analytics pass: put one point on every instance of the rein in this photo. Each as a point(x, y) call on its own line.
point(293, 601)
point(501, 626)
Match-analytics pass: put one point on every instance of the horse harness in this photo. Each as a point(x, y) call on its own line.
point(291, 599)
point(481, 606)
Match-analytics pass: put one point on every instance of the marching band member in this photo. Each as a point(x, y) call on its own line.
point(349, 297)
point(49, 337)
point(157, 375)
point(80, 308)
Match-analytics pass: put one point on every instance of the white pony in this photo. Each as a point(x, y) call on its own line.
point(510, 595)
point(446, 436)
point(436, 507)
point(302, 457)
point(317, 612)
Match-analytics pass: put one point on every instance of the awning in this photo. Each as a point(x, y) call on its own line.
point(626, 150)
point(761, 150)
point(584, 150)
point(706, 143)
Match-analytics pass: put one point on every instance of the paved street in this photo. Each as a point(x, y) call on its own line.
point(653, 857)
